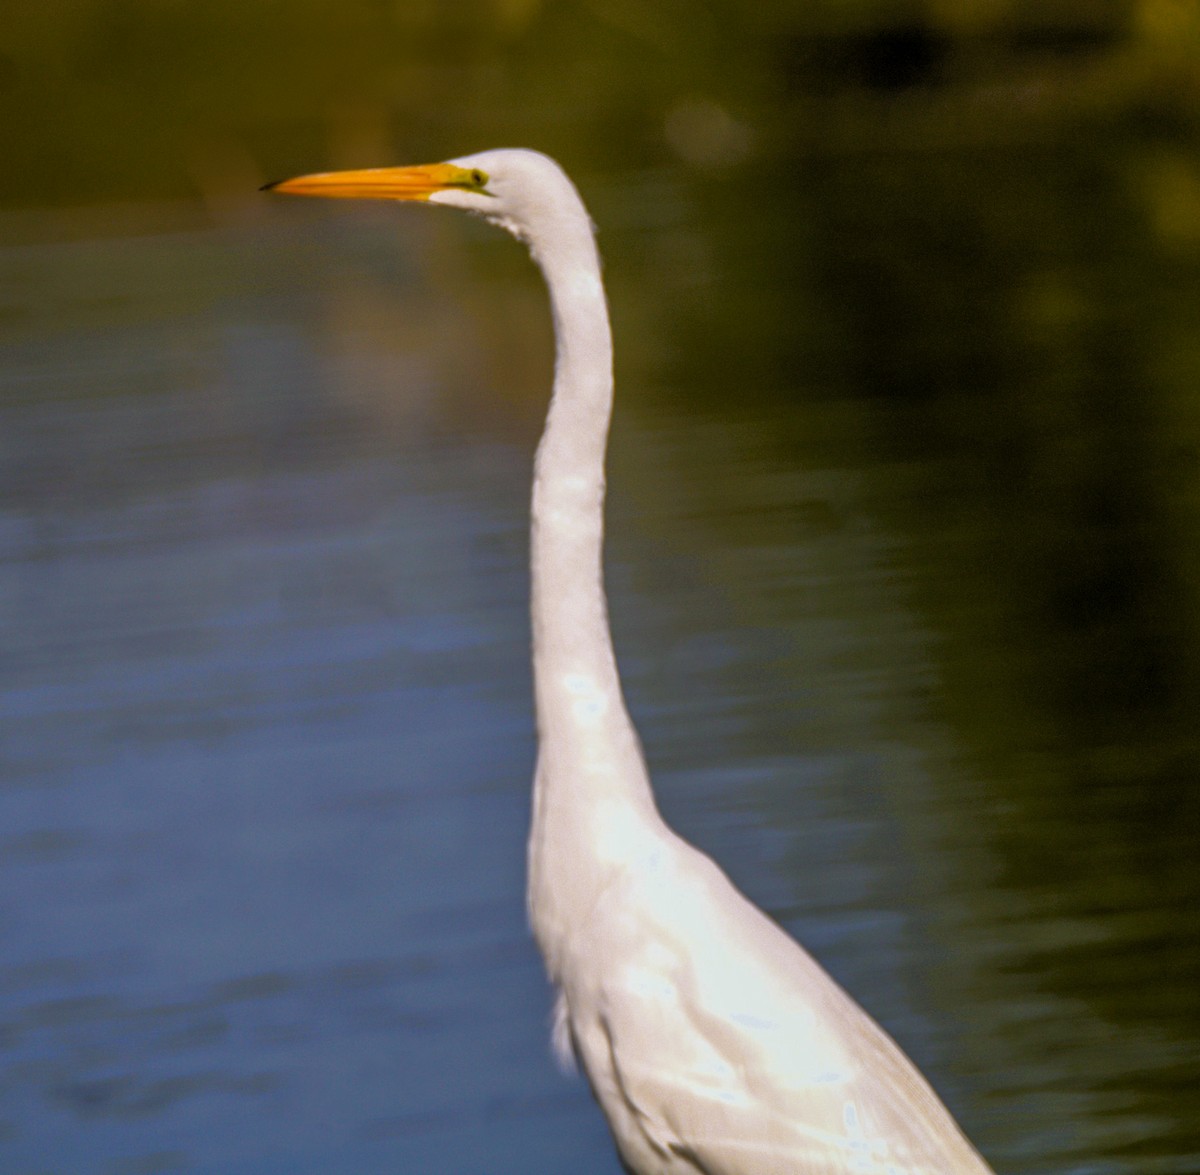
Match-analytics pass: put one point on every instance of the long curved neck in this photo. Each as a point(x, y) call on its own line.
point(587, 744)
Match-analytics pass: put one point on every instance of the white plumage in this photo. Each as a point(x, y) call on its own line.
point(713, 1042)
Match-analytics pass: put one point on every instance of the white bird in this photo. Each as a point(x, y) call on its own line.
point(713, 1041)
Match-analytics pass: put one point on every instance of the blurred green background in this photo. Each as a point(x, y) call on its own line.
point(905, 520)
point(107, 101)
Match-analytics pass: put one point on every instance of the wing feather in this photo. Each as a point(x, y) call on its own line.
point(717, 1045)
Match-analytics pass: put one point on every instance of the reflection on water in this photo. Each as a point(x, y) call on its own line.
point(266, 733)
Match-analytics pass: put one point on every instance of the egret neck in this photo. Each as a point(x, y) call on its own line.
point(590, 760)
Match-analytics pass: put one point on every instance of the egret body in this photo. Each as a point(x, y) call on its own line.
point(713, 1042)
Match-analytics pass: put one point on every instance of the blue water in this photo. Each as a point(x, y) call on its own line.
point(266, 737)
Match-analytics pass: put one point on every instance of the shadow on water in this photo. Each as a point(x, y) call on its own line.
point(1009, 385)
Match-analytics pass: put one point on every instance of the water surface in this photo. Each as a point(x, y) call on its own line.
point(266, 733)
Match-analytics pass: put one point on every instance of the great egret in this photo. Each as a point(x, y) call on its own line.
point(713, 1042)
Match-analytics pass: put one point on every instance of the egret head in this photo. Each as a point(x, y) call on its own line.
point(523, 191)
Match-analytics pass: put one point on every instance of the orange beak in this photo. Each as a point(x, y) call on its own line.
point(384, 183)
